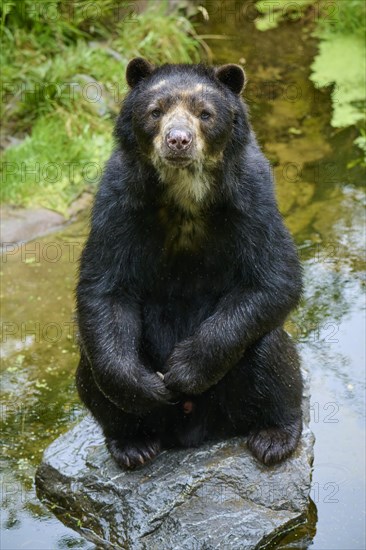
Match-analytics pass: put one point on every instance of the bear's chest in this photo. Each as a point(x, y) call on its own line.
point(183, 231)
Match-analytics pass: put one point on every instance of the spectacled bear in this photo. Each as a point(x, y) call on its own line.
point(187, 276)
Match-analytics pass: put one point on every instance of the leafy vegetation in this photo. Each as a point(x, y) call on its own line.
point(63, 80)
point(346, 18)
point(272, 12)
point(341, 62)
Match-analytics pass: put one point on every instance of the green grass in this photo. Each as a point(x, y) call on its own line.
point(64, 154)
point(50, 65)
point(160, 37)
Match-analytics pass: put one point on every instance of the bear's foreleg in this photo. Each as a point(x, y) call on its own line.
point(240, 319)
point(128, 439)
point(110, 334)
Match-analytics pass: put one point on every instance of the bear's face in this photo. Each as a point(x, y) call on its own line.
point(181, 116)
point(181, 124)
point(182, 119)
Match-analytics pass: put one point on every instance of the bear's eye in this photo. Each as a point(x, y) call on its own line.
point(205, 115)
point(156, 113)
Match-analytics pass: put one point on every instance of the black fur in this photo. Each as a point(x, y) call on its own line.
point(208, 316)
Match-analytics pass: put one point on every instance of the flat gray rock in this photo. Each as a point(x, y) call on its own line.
point(215, 496)
point(24, 224)
point(20, 225)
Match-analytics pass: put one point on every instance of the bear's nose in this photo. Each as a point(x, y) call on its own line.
point(178, 139)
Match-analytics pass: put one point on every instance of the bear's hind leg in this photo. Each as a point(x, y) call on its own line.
point(127, 437)
point(265, 403)
point(276, 371)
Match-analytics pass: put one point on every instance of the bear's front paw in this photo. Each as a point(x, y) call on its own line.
point(185, 373)
point(179, 381)
point(147, 393)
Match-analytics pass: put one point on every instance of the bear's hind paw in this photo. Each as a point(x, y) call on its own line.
point(272, 445)
point(133, 453)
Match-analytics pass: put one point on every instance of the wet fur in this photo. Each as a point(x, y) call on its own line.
point(194, 285)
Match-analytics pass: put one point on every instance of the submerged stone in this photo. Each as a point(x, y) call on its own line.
point(214, 496)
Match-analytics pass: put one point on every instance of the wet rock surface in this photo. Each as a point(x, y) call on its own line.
point(215, 496)
point(21, 224)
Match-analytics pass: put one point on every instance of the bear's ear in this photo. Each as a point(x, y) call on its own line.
point(232, 76)
point(137, 69)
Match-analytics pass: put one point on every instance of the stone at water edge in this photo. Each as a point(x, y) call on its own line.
point(215, 496)
point(24, 224)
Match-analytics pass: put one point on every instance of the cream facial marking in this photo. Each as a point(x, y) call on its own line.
point(187, 185)
point(159, 85)
point(179, 115)
point(184, 187)
point(198, 91)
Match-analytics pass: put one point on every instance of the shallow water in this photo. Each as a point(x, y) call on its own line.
point(323, 204)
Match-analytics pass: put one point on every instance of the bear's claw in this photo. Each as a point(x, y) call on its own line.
point(130, 454)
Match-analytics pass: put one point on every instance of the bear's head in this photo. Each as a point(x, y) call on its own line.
point(183, 118)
